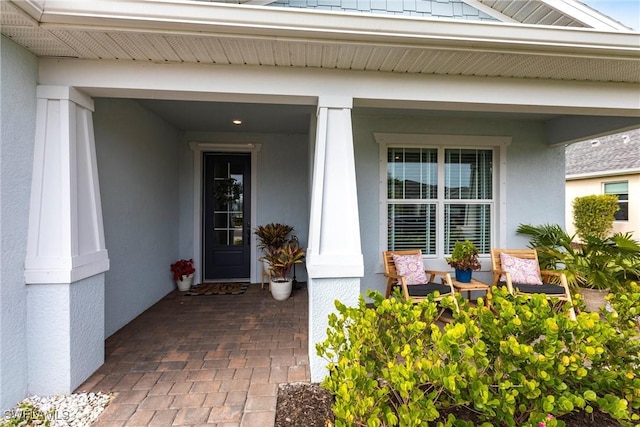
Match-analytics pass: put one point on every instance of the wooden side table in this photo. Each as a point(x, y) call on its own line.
point(474, 285)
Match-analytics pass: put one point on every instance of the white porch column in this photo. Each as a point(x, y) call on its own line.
point(66, 255)
point(334, 257)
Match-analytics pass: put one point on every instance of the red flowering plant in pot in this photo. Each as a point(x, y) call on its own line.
point(183, 273)
point(182, 268)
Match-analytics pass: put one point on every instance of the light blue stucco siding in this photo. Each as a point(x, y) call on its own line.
point(283, 186)
point(138, 171)
point(454, 9)
point(19, 74)
point(535, 177)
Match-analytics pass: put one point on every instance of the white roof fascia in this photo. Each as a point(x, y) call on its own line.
point(586, 15)
point(601, 174)
point(221, 19)
point(32, 7)
point(490, 11)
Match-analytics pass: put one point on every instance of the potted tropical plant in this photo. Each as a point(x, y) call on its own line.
point(594, 267)
point(464, 259)
point(280, 253)
point(272, 236)
point(183, 273)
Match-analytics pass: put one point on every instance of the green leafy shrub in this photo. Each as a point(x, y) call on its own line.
point(594, 215)
point(26, 414)
point(510, 360)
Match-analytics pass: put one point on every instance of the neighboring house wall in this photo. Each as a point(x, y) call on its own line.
point(528, 200)
point(138, 172)
point(456, 9)
point(610, 158)
point(19, 74)
point(590, 186)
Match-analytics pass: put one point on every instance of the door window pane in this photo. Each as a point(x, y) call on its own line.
point(228, 219)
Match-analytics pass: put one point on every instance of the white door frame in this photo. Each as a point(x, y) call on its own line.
point(198, 148)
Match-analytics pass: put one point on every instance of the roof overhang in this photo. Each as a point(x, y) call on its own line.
point(603, 174)
point(567, 13)
point(240, 34)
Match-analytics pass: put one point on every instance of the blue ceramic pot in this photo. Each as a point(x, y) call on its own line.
point(463, 276)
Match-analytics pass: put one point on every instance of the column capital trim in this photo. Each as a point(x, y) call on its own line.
point(338, 265)
point(66, 93)
point(64, 275)
point(335, 102)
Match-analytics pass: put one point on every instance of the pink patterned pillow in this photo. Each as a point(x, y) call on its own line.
point(411, 267)
point(523, 271)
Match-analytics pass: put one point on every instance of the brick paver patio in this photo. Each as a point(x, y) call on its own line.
point(204, 360)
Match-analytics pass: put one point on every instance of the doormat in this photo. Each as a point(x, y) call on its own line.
point(233, 288)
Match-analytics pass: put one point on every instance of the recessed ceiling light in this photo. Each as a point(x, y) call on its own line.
point(237, 122)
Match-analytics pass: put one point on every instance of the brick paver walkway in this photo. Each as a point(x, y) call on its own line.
point(204, 360)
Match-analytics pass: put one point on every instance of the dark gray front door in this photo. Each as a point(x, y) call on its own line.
point(227, 211)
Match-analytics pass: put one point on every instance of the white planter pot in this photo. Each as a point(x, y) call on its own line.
point(280, 290)
point(184, 284)
point(594, 298)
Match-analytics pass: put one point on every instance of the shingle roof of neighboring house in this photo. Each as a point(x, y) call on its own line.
point(617, 152)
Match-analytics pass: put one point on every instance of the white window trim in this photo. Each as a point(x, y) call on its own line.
point(499, 143)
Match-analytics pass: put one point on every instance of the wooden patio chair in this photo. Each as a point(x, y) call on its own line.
point(519, 270)
point(407, 271)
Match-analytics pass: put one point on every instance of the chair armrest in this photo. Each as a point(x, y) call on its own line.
point(446, 277)
point(396, 280)
point(496, 280)
point(560, 275)
point(551, 273)
point(437, 272)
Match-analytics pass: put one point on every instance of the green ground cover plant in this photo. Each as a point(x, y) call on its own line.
point(509, 361)
point(27, 415)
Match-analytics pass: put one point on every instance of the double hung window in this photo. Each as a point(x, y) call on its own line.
point(438, 195)
point(620, 189)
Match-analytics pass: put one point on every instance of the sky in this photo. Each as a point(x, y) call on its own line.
point(625, 11)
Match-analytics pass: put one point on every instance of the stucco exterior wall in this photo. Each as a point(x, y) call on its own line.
point(18, 78)
point(533, 173)
point(65, 335)
point(589, 186)
point(282, 187)
point(138, 173)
